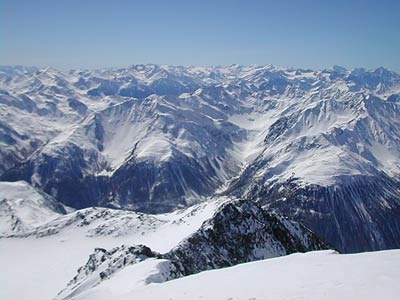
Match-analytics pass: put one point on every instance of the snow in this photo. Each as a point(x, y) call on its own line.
point(122, 132)
point(130, 278)
point(256, 125)
point(314, 275)
point(46, 264)
point(155, 147)
point(22, 208)
point(42, 266)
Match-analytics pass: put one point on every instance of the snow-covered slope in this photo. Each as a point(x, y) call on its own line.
point(123, 226)
point(47, 257)
point(319, 146)
point(313, 275)
point(23, 208)
point(103, 264)
point(51, 257)
point(214, 245)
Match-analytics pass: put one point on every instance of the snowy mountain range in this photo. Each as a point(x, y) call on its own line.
point(171, 171)
point(321, 147)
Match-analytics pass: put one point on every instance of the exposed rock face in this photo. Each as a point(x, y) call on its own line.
point(359, 213)
point(241, 232)
point(362, 213)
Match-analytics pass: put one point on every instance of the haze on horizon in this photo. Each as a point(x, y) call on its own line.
point(309, 34)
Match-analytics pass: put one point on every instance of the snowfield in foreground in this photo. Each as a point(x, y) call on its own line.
point(44, 260)
point(313, 275)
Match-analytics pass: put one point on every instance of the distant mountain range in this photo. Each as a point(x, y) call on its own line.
point(319, 147)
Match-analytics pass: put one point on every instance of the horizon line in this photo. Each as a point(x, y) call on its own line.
point(98, 68)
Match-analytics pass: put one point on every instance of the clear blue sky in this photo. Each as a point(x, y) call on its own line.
point(314, 34)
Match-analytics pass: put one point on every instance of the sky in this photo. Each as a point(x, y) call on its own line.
point(299, 33)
